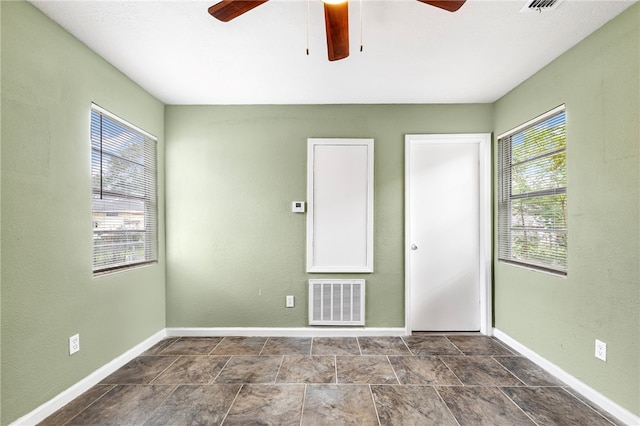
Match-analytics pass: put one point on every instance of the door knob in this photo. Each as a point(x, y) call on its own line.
point(414, 247)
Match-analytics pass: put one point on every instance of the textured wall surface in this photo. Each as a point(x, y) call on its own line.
point(234, 249)
point(558, 317)
point(49, 80)
point(0, 220)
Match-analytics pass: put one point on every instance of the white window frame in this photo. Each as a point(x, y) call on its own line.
point(505, 198)
point(131, 253)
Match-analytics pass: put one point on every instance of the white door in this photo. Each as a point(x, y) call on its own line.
point(443, 233)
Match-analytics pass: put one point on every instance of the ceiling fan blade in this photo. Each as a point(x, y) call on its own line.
point(336, 18)
point(450, 5)
point(227, 10)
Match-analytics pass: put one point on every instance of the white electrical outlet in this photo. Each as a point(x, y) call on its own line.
point(74, 344)
point(601, 350)
point(289, 301)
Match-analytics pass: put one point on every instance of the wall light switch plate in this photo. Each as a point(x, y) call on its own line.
point(289, 302)
point(298, 206)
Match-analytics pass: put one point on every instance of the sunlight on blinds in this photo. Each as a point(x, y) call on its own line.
point(532, 192)
point(123, 177)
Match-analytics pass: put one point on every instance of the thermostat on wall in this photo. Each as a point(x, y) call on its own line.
point(297, 206)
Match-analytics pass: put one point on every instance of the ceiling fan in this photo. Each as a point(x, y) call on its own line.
point(336, 17)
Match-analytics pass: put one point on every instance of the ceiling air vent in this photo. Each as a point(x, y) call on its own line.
point(540, 5)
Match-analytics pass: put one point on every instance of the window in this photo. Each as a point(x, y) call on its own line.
point(532, 193)
point(123, 180)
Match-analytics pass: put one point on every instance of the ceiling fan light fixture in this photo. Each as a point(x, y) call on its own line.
point(336, 17)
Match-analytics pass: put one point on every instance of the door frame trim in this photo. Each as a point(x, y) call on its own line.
point(484, 169)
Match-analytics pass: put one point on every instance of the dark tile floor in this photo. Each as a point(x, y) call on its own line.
point(423, 379)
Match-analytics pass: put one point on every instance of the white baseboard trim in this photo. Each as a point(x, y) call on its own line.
point(284, 332)
point(621, 413)
point(65, 397)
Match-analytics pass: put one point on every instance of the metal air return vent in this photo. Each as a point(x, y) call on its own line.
point(540, 5)
point(336, 302)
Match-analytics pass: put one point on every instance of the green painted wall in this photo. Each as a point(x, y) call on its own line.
point(560, 318)
point(0, 216)
point(234, 249)
point(49, 80)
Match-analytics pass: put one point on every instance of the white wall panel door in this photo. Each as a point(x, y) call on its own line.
point(443, 251)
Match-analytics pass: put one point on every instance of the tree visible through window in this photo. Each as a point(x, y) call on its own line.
point(532, 209)
point(123, 177)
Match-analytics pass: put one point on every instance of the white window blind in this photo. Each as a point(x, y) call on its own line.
point(123, 176)
point(532, 193)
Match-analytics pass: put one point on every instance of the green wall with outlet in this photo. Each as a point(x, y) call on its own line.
point(234, 250)
point(560, 317)
point(49, 80)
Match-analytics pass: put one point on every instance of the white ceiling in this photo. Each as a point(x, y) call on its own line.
point(413, 52)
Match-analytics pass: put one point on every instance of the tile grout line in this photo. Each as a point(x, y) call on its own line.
point(264, 345)
point(161, 403)
point(231, 405)
point(275, 379)
point(216, 346)
point(92, 402)
point(454, 345)
point(505, 347)
point(407, 346)
point(304, 398)
point(220, 372)
point(170, 341)
point(587, 405)
point(375, 407)
point(493, 357)
point(435, 388)
point(168, 346)
point(163, 371)
point(516, 404)
point(452, 372)
point(394, 372)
